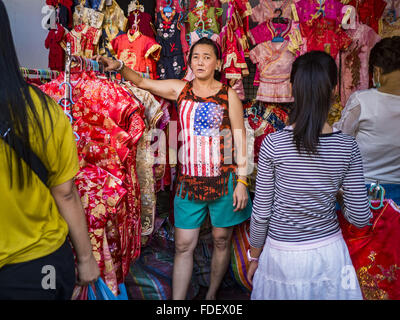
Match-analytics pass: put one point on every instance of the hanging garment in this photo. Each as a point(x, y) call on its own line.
point(144, 23)
point(374, 251)
point(390, 23)
point(145, 158)
point(210, 3)
point(56, 52)
point(176, 4)
point(274, 61)
point(88, 16)
point(268, 30)
point(115, 23)
point(369, 11)
point(84, 41)
point(310, 10)
point(139, 52)
point(266, 10)
point(95, 4)
point(354, 64)
point(109, 123)
point(171, 64)
point(65, 13)
point(205, 14)
point(234, 64)
point(324, 35)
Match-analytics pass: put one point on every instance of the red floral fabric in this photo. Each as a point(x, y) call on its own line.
point(374, 251)
point(109, 123)
point(325, 35)
point(369, 11)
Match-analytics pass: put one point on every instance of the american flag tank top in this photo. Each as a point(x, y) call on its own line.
point(206, 152)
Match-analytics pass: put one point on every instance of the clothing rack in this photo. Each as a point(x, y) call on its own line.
point(41, 73)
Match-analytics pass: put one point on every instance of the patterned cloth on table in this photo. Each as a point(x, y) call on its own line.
point(109, 123)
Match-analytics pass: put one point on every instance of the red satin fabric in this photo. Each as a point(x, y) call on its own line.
point(375, 252)
point(109, 123)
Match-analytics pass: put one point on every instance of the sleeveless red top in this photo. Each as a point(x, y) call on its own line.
point(205, 156)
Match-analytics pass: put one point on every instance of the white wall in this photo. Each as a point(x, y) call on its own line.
point(29, 36)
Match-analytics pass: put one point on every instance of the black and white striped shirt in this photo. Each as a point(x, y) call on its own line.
point(296, 193)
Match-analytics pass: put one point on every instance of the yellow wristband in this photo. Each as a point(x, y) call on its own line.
point(242, 181)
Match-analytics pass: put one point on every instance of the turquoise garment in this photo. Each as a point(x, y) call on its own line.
point(190, 214)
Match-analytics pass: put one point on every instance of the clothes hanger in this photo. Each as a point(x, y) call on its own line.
point(279, 18)
point(278, 37)
point(168, 8)
point(374, 191)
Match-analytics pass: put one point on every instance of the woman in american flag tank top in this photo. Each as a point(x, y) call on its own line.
point(212, 175)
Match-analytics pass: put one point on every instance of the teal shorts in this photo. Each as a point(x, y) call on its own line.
point(190, 214)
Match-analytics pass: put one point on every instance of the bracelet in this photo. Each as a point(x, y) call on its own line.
point(242, 181)
point(249, 257)
point(121, 66)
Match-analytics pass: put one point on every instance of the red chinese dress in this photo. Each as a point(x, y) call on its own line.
point(369, 11)
point(325, 35)
point(139, 52)
point(109, 123)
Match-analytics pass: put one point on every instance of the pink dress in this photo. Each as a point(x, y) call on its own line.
point(266, 10)
point(274, 62)
point(313, 9)
point(267, 30)
point(354, 64)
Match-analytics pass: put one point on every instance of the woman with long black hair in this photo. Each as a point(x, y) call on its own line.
point(40, 205)
point(297, 248)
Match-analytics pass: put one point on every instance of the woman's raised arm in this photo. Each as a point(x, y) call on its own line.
point(167, 89)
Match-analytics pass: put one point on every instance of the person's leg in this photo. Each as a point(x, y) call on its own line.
point(185, 243)
point(220, 259)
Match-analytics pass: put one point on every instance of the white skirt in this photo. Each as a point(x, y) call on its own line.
point(310, 270)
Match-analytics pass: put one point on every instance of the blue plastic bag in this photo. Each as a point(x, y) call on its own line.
point(102, 292)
